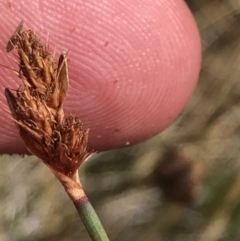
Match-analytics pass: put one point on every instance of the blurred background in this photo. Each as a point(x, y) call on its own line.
point(183, 184)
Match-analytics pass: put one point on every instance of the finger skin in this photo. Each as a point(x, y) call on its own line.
point(133, 65)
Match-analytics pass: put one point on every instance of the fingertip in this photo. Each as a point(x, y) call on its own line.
point(132, 65)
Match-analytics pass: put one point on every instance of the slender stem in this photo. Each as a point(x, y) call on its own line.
point(90, 219)
point(85, 210)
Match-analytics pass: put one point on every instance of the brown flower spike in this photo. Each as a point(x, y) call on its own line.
point(37, 107)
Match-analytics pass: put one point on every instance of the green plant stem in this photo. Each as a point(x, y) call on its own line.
point(73, 187)
point(90, 219)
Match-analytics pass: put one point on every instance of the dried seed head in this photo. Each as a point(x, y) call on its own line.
point(37, 106)
point(37, 66)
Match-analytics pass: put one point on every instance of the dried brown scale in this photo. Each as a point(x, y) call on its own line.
point(13, 40)
point(36, 107)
